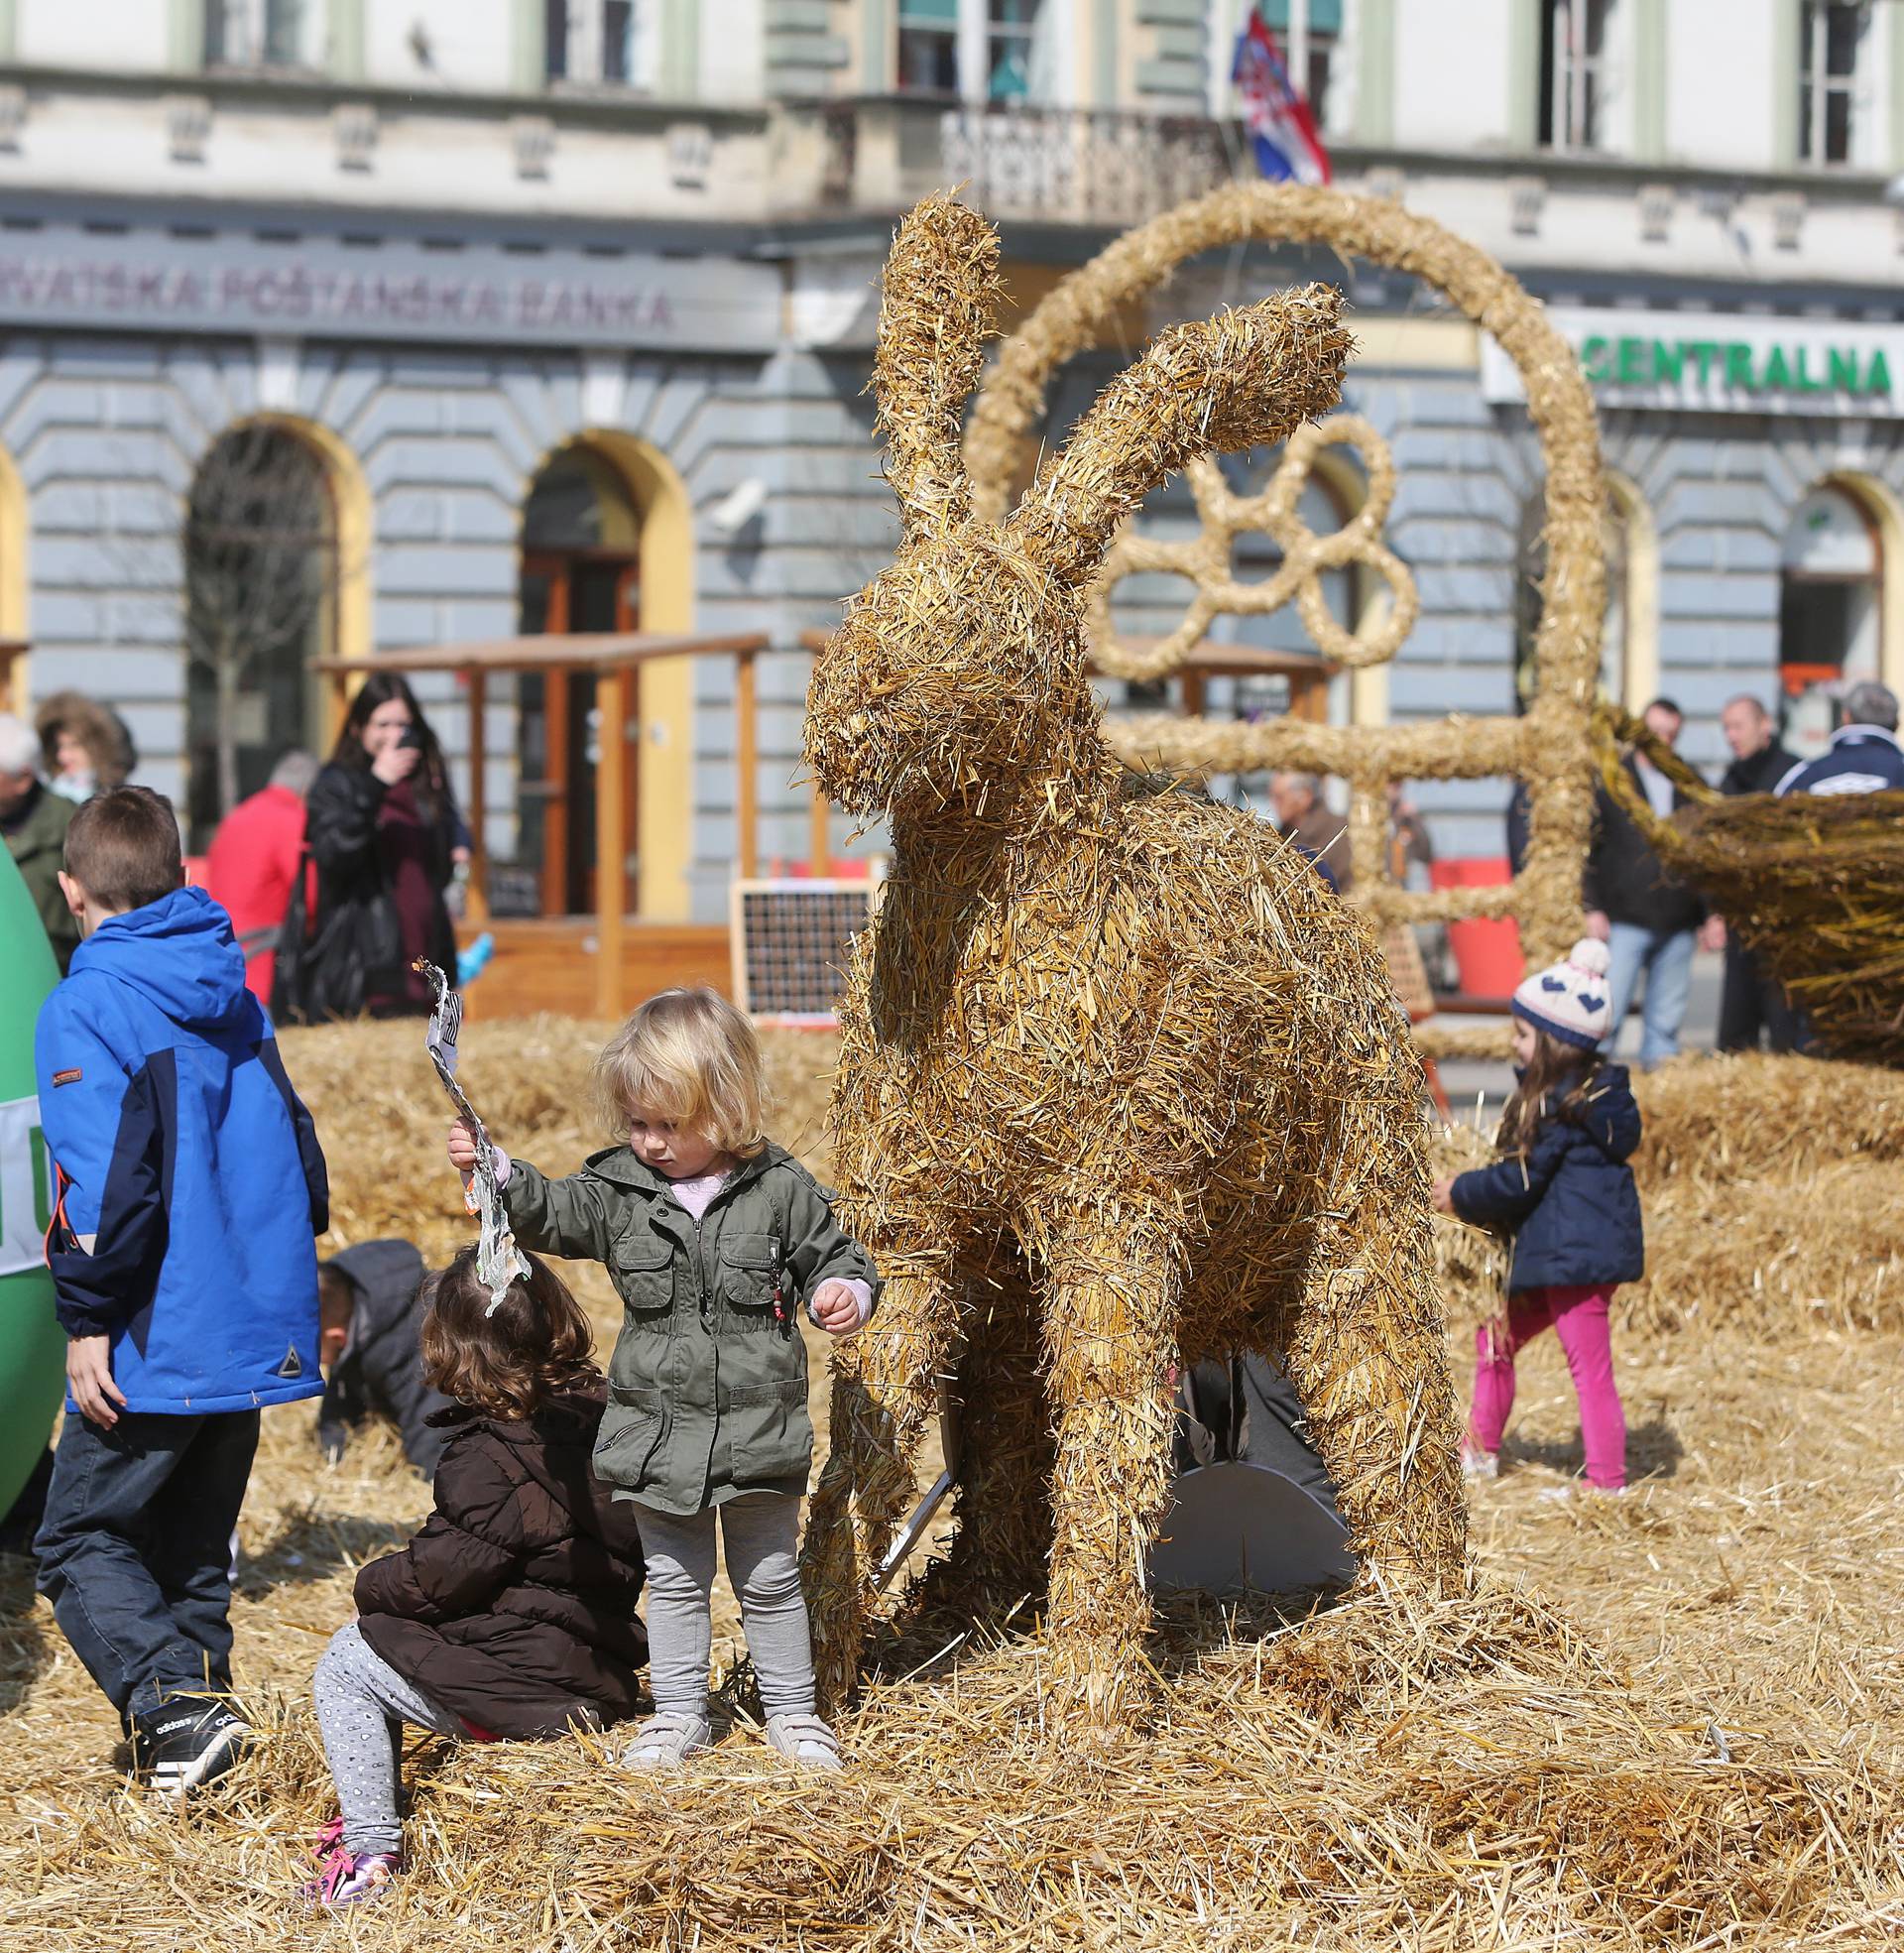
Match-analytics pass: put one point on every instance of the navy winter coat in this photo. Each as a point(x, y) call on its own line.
point(1860, 760)
point(191, 1181)
point(1570, 1204)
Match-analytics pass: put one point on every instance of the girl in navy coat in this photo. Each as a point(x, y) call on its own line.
point(1563, 1189)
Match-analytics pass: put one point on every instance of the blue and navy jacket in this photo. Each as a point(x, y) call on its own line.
point(191, 1179)
point(1860, 760)
point(1570, 1202)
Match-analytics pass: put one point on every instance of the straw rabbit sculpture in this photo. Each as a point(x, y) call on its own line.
point(1121, 1083)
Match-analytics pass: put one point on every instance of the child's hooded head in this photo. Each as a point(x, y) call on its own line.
point(537, 1344)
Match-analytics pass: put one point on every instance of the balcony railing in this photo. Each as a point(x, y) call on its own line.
point(1108, 167)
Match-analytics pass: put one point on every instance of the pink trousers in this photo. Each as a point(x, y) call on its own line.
point(1578, 1316)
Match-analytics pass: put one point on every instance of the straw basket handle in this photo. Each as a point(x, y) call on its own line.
point(1614, 732)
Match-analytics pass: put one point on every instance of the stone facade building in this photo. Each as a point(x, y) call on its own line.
point(568, 305)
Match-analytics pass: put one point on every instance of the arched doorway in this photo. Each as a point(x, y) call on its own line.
point(263, 579)
point(1830, 606)
point(580, 572)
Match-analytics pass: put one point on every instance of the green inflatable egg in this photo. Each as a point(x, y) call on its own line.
point(32, 1351)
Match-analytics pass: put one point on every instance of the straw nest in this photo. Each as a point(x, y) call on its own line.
point(1813, 882)
point(1118, 1076)
point(1547, 748)
point(1671, 1720)
point(1770, 1188)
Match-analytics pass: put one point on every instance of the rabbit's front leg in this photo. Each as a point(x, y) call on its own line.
point(1111, 1333)
point(884, 1391)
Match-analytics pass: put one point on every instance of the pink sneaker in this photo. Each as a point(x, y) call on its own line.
point(344, 1877)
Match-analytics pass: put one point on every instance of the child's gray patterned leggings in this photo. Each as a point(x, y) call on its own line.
point(362, 1706)
point(761, 1532)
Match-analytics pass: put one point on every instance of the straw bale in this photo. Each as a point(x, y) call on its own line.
point(1118, 1075)
point(1813, 882)
point(1749, 1115)
point(1547, 746)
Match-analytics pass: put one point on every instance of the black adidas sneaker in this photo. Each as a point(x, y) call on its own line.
point(187, 1742)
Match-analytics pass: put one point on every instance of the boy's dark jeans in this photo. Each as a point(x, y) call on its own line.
point(135, 1549)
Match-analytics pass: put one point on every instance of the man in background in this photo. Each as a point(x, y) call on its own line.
point(1305, 818)
point(1752, 1004)
point(254, 862)
point(1865, 755)
point(35, 820)
point(1648, 920)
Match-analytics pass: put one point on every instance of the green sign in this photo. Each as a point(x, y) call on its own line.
point(1774, 368)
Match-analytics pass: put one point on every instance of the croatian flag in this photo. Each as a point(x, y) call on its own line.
point(1281, 129)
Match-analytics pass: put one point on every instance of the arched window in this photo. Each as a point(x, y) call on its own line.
point(581, 537)
point(1630, 634)
point(1830, 605)
point(262, 582)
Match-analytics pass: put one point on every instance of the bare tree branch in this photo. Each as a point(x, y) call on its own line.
point(261, 565)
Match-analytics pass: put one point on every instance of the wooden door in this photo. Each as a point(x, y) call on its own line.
point(566, 591)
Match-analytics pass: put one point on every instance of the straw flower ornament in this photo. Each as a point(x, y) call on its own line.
point(1206, 560)
point(1120, 1082)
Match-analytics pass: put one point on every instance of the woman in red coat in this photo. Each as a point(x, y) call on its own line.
point(254, 862)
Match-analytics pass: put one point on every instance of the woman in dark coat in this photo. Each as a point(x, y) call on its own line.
point(382, 829)
point(512, 1613)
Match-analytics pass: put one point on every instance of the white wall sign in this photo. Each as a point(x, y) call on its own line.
point(1722, 363)
point(25, 1187)
point(317, 287)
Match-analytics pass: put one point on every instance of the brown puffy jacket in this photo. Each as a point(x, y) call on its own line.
point(514, 1608)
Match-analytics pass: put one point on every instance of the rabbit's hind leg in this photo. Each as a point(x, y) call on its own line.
point(1000, 1558)
point(885, 1391)
point(1111, 1331)
point(1370, 1355)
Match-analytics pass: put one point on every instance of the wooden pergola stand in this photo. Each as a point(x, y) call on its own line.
point(583, 966)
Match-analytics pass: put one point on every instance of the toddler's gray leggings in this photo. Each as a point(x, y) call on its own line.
point(762, 1535)
point(363, 1704)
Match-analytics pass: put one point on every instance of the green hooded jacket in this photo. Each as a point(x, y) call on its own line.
point(37, 840)
point(707, 1386)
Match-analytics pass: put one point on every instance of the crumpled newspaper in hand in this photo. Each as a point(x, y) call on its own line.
point(499, 1261)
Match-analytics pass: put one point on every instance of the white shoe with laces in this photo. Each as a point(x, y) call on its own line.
point(1480, 1464)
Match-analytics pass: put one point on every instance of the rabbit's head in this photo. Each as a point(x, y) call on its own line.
point(962, 662)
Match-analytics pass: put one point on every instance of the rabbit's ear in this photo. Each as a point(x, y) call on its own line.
point(1239, 379)
point(936, 312)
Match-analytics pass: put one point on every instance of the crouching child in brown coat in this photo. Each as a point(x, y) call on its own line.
point(512, 1613)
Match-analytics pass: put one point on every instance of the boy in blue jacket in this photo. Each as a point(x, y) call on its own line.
point(189, 1187)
